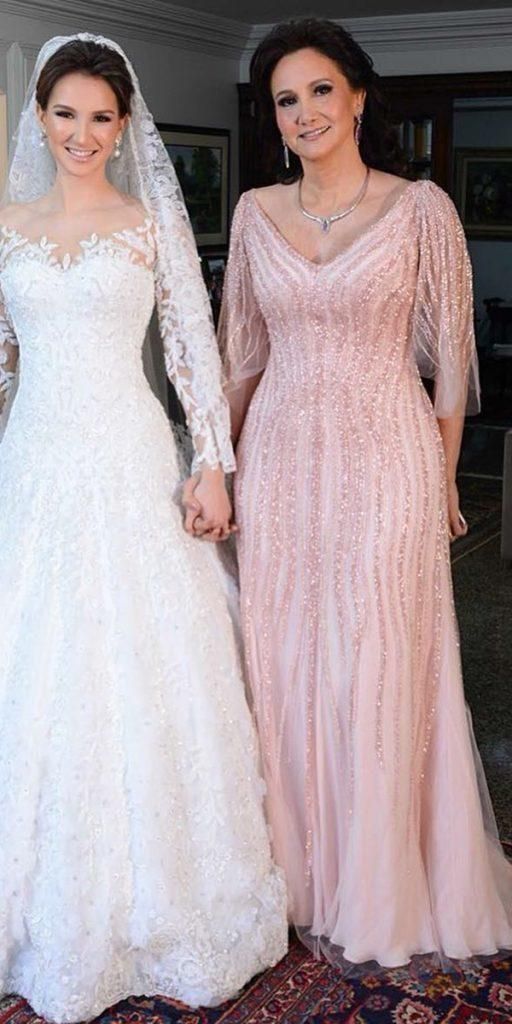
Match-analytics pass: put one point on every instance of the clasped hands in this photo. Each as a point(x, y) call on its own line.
point(207, 506)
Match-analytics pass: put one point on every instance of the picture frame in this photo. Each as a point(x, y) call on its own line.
point(213, 265)
point(201, 158)
point(483, 192)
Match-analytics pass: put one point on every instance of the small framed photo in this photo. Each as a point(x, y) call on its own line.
point(214, 267)
point(483, 192)
point(201, 160)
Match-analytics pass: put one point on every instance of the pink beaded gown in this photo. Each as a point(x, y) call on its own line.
point(376, 797)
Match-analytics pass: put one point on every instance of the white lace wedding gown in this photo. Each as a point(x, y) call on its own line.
point(134, 856)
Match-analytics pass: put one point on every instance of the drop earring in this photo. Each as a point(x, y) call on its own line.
point(42, 138)
point(358, 128)
point(286, 154)
point(117, 147)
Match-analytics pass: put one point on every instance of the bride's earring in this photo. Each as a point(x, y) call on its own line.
point(117, 147)
point(42, 138)
point(359, 127)
point(286, 154)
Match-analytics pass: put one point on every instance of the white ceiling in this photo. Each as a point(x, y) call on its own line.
point(258, 12)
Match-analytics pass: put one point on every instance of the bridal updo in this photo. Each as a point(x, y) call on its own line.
point(379, 145)
point(87, 58)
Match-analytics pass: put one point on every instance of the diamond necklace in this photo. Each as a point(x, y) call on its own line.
point(325, 222)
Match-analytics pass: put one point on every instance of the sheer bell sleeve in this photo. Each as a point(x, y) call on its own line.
point(190, 349)
point(243, 336)
point(443, 332)
point(8, 361)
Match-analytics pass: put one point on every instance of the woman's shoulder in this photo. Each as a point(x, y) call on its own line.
point(383, 184)
point(428, 198)
point(272, 197)
point(433, 203)
point(132, 207)
point(16, 216)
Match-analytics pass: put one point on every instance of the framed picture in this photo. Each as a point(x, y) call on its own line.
point(214, 266)
point(201, 161)
point(483, 192)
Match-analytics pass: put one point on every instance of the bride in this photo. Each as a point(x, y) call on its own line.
point(134, 857)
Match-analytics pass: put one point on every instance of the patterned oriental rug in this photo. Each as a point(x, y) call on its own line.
point(301, 990)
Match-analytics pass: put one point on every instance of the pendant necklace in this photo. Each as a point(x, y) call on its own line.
point(325, 222)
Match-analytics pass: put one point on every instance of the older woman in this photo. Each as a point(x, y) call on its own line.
point(343, 280)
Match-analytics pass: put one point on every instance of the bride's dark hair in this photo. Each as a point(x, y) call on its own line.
point(87, 58)
point(379, 144)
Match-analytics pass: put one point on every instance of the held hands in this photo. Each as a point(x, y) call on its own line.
point(207, 506)
point(456, 523)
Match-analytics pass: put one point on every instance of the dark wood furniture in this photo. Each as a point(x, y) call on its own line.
point(501, 326)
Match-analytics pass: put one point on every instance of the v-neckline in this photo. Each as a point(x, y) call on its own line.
point(343, 252)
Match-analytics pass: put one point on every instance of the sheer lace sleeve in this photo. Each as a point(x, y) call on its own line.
point(190, 349)
point(443, 332)
point(8, 360)
point(243, 337)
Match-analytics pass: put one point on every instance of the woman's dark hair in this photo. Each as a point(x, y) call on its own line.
point(88, 58)
point(379, 144)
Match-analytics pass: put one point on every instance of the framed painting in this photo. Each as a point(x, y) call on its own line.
point(483, 192)
point(213, 266)
point(201, 161)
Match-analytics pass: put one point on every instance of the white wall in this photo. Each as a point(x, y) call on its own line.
point(3, 139)
point(492, 260)
point(180, 86)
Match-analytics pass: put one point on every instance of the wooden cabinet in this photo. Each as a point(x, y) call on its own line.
point(418, 100)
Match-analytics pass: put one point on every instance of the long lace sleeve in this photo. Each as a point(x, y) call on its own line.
point(8, 361)
point(243, 337)
point(190, 349)
point(443, 332)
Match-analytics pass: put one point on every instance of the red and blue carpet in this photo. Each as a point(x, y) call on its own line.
point(301, 990)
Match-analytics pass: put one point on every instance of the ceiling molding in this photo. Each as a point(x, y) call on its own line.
point(153, 20)
point(441, 30)
point(169, 24)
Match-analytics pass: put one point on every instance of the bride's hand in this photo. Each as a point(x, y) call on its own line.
point(208, 508)
point(457, 524)
point(193, 507)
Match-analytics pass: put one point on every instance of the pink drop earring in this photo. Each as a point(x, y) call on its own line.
point(358, 128)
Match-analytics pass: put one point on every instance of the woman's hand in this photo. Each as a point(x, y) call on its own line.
point(457, 524)
point(207, 505)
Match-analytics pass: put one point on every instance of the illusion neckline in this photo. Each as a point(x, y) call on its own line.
point(69, 259)
point(348, 248)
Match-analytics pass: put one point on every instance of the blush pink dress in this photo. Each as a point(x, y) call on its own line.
point(376, 798)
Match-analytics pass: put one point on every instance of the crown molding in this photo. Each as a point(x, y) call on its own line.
point(439, 30)
point(156, 21)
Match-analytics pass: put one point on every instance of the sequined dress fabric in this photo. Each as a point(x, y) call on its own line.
point(377, 802)
point(134, 856)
